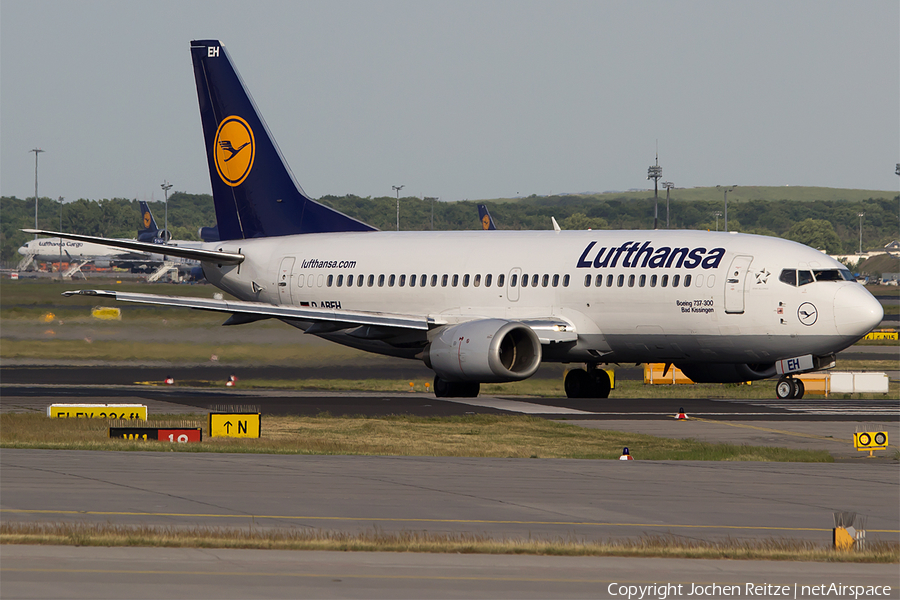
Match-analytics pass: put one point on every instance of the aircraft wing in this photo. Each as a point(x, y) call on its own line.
point(225, 258)
point(248, 311)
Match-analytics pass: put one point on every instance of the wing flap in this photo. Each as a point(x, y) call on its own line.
point(262, 310)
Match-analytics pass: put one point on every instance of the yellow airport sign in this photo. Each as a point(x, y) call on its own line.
point(243, 425)
point(870, 440)
point(106, 313)
point(98, 411)
point(882, 335)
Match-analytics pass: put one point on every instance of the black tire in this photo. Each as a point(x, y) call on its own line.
point(784, 389)
point(602, 384)
point(799, 389)
point(441, 388)
point(578, 384)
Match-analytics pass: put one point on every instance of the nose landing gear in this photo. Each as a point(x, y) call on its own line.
point(789, 388)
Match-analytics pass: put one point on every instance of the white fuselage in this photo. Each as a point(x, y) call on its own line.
point(49, 250)
point(630, 295)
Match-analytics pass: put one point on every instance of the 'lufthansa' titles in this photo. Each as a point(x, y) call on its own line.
point(642, 255)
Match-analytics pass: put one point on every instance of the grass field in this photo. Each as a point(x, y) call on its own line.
point(106, 534)
point(499, 436)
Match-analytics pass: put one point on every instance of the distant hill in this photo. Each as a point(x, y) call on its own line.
point(740, 194)
point(877, 265)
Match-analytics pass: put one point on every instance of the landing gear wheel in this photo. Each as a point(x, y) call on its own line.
point(602, 384)
point(784, 389)
point(578, 384)
point(799, 389)
point(455, 389)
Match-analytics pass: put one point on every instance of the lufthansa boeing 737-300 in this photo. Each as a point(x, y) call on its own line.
point(723, 307)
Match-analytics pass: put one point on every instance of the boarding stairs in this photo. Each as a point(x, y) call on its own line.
point(26, 262)
point(164, 269)
point(75, 268)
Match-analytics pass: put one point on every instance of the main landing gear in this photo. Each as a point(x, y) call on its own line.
point(455, 389)
point(591, 383)
point(789, 388)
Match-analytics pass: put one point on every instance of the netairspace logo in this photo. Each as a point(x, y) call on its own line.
point(715, 590)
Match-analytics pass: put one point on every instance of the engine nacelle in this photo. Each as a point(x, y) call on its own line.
point(726, 373)
point(485, 351)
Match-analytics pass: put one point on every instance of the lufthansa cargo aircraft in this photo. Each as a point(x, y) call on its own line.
point(724, 307)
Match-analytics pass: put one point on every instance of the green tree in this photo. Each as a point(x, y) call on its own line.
point(816, 233)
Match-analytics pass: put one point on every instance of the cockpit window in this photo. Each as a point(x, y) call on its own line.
point(833, 275)
point(788, 276)
point(804, 277)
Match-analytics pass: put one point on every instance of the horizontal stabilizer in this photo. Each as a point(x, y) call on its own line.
point(216, 256)
point(263, 310)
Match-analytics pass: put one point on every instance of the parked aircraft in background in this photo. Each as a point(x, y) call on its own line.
point(487, 223)
point(724, 307)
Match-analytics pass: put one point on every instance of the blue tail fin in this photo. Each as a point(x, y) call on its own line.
point(254, 191)
point(151, 229)
point(486, 221)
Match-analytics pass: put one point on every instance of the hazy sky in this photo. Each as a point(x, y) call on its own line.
point(457, 99)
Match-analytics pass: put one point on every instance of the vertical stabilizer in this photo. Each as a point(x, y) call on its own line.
point(254, 191)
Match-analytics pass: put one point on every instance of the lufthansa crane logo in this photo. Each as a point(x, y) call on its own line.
point(234, 150)
point(485, 222)
point(807, 313)
point(147, 219)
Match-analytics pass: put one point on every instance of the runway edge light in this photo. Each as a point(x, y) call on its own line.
point(626, 455)
point(681, 416)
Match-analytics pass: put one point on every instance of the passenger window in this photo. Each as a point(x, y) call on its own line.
point(402, 280)
point(455, 280)
point(330, 280)
point(340, 280)
point(381, 281)
point(587, 280)
point(653, 281)
point(466, 280)
point(675, 279)
point(565, 281)
point(391, 280)
point(319, 280)
point(500, 279)
point(598, 281)
point(444, 280)
point(620, 281)
point(687, 281)
point(699, 279)
point(299, 280)
point(412, 280)
point(788, 276)
point(487, 280)
point(665, 281)
point(804, 277)
point(434, 281)
point(545, 280)
point(643, 281)
point(512, 280)
point(524, 280)
point(556, 281)
point(631, 281)
point(349, 280)
point(609, 280)
point(371, 280)
point(534, 280)
point(476, 281)
point(710, 281)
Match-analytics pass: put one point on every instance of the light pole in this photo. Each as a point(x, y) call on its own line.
point(36, 152)
point(60, 239)
point(668, 185)
point(730, 189)
point(166, 186)
point(654, 173)
point(398, 188)
point(718, 214)
point(860, 215)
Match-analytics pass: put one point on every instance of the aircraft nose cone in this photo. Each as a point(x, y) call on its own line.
point(856, 311)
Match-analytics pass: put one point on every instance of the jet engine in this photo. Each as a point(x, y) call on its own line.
point(726, 373)
point(486, 351)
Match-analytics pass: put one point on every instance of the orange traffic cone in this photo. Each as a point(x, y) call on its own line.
point(681, 416)
point(625, 455)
